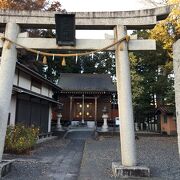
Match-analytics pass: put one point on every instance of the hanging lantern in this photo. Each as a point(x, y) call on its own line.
point(63, 62)
point(44, 60)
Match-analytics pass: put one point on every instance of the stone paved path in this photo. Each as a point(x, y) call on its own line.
point(55, 160)
point(66, 166)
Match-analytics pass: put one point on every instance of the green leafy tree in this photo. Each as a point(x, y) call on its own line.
point(103, 62)
point(155, 67)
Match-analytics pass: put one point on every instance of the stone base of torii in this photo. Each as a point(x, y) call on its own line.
point(117, 20)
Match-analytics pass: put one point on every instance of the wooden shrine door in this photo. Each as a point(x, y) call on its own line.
point(84, 110)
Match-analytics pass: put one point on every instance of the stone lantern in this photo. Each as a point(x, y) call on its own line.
point(105, 117)
point(59, 116)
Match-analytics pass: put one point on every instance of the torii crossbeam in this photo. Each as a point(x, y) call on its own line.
point(13, 21)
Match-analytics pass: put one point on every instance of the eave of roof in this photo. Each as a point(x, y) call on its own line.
point(25, 91)
point(36, 75)
point(87, 92)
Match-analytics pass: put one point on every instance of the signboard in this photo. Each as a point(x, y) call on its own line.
point(65, 29)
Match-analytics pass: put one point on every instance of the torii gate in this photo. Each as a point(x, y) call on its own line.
point(120, 22)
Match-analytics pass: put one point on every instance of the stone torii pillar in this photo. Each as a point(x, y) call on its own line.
point(176, 64)
point(7, 70)
point(127, 135)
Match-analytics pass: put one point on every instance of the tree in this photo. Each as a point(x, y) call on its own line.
point(30, 5)
point(50, 70)
point(152, 80)
point(23, 4)
point(156, 71)
point(54, 68)
point(102, 62)
point(168, 30)
point(136, 79)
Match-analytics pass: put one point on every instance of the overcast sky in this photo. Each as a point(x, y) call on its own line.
point(105, 5)
point(102, 5)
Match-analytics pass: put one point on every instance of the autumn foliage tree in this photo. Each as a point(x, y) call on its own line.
point(23, 4)
point(25, 57)
point(30, 5)
point(168, 30)
point(152, 71)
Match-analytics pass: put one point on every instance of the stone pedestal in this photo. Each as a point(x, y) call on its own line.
point(105, 125)
point(91, 124)
point(5, 167)
point(132, 171)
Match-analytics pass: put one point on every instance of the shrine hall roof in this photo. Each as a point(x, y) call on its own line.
point(86, 82)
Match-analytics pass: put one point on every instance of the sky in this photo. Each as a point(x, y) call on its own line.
point(105, 5)
point(102, 5)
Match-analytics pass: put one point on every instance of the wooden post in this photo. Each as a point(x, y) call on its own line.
point(95, 111)
point(70, 115)
point(83, 108)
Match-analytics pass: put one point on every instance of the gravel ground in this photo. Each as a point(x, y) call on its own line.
point(160, 154)
point(38, 163)
point(81, 157)
point(58, 159)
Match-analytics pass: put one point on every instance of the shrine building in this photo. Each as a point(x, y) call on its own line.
point(84, 96)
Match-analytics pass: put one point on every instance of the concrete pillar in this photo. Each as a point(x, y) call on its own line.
point(127, 136)
point(7, 70)
point(176, 64)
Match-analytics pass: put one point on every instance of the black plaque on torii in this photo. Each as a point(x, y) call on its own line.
point(65, 29)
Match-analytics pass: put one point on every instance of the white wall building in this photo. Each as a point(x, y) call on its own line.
point(32, 99)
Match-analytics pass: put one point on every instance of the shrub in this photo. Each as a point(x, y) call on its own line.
point(20, 139)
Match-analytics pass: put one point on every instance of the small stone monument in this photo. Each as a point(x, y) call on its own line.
point(59, 116)
point(105, 117)
point(59, 126)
